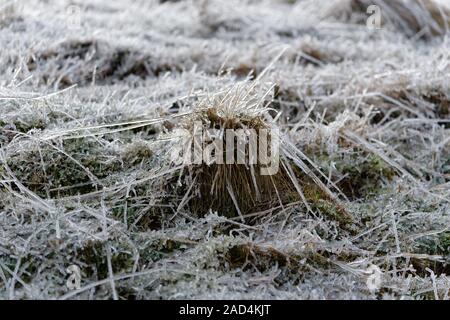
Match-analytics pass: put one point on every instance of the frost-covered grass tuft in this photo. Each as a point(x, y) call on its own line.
point(90, 115)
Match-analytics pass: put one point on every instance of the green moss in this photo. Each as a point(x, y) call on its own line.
point(136, 152)
point(433, 245)
point(444, 240)
point(429, 295)
point(446, 168)
point(262, 258)
point(29, 266)
point(437, 245)
point(33, 124)
point(32, 265)
point(25, 124)
point(321, 202)
point(48, 170)
point(159, 249)
point(126, 293)
point(145, 209)
point(360, 175)
point(92, 260)
point(251, 257)
point(363, 176)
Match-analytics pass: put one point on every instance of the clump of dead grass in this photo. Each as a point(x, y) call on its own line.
point(242, 191)
point(233, 189)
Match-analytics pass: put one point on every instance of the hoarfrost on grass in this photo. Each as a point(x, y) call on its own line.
point(85, 179)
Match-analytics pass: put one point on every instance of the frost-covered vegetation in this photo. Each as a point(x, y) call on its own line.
point(89, 115)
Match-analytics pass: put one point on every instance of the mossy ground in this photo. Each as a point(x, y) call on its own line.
point(85, 178)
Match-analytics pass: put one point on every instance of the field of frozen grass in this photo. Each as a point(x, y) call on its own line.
point(92, 94)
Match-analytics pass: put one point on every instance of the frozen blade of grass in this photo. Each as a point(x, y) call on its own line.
point(118, 278)
point(37, 96)
point(14, 278)
point(110, 271)
point(395, 232)
point(413, 255)
point(316, 179)
point(403, 106)
point(122, 187)
point(296, 155)
point(255, 184)
point(352, 136)
point(184, 199)
point(130, 126)
point(33, 198)
point(297, 186)
point(233, 197)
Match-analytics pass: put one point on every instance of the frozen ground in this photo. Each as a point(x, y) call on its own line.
point(91, 93)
